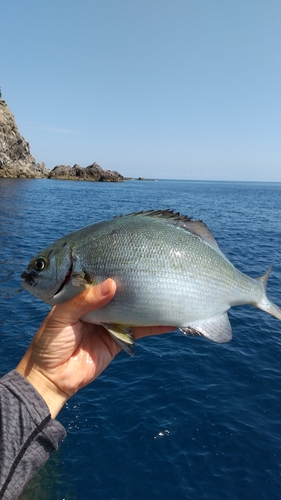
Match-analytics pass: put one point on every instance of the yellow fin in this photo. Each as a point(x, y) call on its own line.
point(123, 336)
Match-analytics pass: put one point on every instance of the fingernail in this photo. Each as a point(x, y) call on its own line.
point(105, 287)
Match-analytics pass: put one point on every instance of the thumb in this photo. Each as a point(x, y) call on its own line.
point(90, 299)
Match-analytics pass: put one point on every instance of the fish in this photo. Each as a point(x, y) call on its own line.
point(168, 268)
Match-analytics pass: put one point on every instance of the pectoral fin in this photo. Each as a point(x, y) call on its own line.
point(217, 329)
point(123, 336)
point(81, 279)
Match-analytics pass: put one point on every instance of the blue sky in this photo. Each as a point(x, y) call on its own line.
point(186, 89)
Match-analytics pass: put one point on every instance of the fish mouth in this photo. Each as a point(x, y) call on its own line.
point(65, 280)
point(29, 278)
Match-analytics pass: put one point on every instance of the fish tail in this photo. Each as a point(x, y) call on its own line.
point(265, 304)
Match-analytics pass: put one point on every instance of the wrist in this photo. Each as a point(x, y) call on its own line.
point(53, 396)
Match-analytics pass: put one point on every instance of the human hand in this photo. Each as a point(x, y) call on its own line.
point(66, 353)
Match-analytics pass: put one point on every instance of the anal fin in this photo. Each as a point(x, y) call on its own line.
point(217, 329)
point(123, 336)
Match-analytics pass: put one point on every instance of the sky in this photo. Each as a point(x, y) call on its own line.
point(175, 89)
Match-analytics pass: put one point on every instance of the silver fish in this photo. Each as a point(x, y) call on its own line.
point(168, 269)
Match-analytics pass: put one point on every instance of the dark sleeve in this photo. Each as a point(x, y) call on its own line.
point(28, 434)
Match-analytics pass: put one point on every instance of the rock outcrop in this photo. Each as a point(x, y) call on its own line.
point(91, 173)
point(17, 161)
point(15, 157)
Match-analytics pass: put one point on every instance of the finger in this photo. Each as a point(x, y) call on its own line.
point(90, 299)
point(146, 331)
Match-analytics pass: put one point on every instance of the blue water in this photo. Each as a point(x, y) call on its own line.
point(186, 418)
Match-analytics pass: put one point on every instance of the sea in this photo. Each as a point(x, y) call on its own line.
point(185, 418)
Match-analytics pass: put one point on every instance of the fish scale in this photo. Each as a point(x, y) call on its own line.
point(168, 269)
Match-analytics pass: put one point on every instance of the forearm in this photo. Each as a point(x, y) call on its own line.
point(53, 396)
point(28, 434)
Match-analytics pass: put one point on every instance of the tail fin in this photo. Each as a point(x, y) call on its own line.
point(265, 304)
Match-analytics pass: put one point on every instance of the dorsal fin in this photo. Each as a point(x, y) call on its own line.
point(164, 214)
point(200, 229)
point(196, 227)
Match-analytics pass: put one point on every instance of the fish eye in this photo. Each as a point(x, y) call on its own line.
point(40, 264)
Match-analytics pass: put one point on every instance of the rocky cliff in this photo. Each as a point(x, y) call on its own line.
point(15, 157)
point(17, 161)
